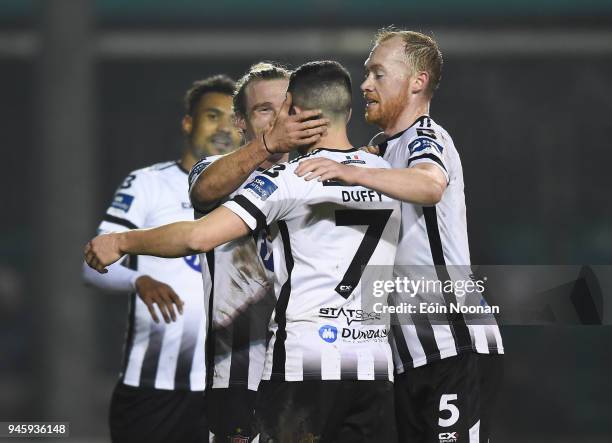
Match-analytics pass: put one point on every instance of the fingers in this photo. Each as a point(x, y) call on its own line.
point(176, 300)
point(286, 104)
point(152, 311)
point(307, 166)
point(371, 149)
point(311, 133)
point(307, 115)
point(161, 305)
point(320, 122)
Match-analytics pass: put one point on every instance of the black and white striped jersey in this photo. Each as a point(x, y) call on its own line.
point(434, 240)
point(161, 356)
point(239, 303)
point(323, 234)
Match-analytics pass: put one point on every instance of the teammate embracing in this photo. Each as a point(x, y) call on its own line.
point(159, 395)
point(444, 389)
point(318, 384)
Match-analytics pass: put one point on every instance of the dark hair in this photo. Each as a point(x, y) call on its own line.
point(259, 71)
point(217, 83)
point(324, 85)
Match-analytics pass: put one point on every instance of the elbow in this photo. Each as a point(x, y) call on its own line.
point(433, 193)
point(198, 243)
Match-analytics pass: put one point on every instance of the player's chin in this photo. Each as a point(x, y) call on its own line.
point(373, 117)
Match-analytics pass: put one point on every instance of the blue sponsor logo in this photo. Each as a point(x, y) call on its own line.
point(262, 186)
point(193, 261)
point(328, 333)
point(122, 201)
point(422, 143)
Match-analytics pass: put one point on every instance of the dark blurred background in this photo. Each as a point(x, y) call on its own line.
point(90, 90)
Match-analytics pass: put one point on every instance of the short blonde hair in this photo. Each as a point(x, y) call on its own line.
point(259, 71)
point(421, 50)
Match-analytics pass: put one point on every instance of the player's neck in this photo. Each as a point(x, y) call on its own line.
point(407, 118)
point(188, 160)
point(335, 138)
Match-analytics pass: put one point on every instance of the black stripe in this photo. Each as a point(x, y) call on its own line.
point(239, 362)
point(131, 263)
point(252, 210)
point(150, 363)
point(184, 363)
point(382, 148)
point(179, 165)
point(400, 341)
point(348, 366)
point(420, 120)
point(209, 352)
point(456, 321)
point(279, 354)
point(119, 221)
point(429, 156)
point(425, 335)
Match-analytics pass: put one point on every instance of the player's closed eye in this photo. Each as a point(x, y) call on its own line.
point(212, 116)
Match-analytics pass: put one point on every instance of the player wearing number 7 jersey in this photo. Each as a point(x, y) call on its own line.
point(326, 379)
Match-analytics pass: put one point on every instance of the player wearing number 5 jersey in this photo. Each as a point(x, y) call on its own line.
point(159, 396)
point(325, 379)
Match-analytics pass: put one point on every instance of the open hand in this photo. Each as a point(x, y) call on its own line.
point(153, 292)
point(326, 169)
point(289, 132)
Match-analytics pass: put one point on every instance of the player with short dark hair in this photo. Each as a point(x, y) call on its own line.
point(159, 395)
point(325, 378)
point(449, 369)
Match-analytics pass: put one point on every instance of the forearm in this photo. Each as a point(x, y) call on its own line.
point(411, 185)
point(169, 241)
point(226, 175)
point(118, 279)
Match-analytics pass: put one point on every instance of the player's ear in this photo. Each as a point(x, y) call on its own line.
point(419, 82)
point(187, 124)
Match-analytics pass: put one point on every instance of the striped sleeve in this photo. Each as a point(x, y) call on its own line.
point(424, 149)
point(269, 197)
point(132, 201)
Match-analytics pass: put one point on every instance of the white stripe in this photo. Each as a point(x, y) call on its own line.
point(475, 433)
point(480, 338)
point(142, 328)
point(197, 378)
point(498, 339)
point(444, 340)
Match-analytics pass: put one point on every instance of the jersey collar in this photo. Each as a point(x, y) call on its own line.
point(399, 134)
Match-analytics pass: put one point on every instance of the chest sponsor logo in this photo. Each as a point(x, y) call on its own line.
point(122, 201)
point(365, 335)
point(328, 333)
point(262, 186)
point(193, 261)
point(350, 315)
